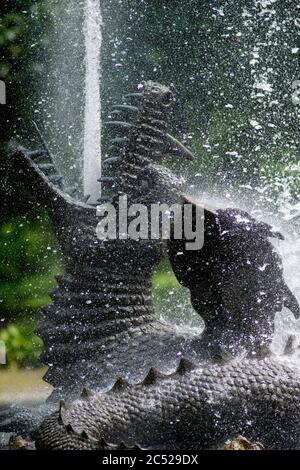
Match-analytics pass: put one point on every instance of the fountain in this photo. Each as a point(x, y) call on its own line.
point(102, 325)
point(68, 108)
point(92, 111)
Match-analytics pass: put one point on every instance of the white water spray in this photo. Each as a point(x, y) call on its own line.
point(92, 117)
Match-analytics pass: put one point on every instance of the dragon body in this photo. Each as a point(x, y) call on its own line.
point(195, 408)
point(102, 324)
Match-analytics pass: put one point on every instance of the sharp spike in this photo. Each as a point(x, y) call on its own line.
point(120, 385)
point(134, 95)
point(36, 154)
point(111, 161)
point(84, 435)
point(185, 366)
point(136, 447)
point(125, 107)
point(62, 405)
point(86, 393)
point(152, 376)
point(114, 113)
point(86, 198)
point(119, 141)
point(104, 445)
point(176, 148)
point(61, 412)
point(119, 124)
point(70, 429)
point(129, 175)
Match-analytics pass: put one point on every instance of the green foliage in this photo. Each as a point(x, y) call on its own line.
point(23, 25)
point(29, 260)
point(279, 175)
point(22, 345)
point(171, 300)
point(29, 255)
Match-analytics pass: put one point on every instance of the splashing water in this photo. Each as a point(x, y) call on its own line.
point(59, 109)
point(92, 115)
point(262, 55)
point(289, 249)
point(283, 214)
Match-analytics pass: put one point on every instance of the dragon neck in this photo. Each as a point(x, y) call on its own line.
point(102, 321)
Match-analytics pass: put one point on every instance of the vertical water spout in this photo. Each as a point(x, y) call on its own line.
point(92, 115)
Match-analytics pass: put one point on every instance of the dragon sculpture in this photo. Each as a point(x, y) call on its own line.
point(102, 324)
point(196, 408)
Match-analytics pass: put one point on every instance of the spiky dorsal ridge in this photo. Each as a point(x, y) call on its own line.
point(184, 367)
point(69, 428)
point(154, 375)
point(62, 418)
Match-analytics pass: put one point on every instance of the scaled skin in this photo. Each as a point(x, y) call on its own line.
point(192, 409)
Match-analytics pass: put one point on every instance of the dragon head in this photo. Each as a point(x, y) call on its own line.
point(139, 142)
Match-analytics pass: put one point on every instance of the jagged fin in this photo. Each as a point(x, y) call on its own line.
point(152, 376)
